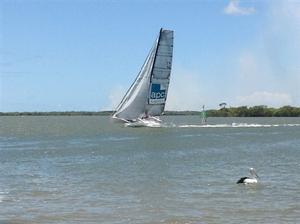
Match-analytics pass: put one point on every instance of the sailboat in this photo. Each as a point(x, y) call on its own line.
point(145, 100)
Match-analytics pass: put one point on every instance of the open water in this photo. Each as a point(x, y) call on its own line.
point(85, 169)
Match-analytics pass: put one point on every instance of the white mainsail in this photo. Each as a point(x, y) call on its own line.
point(147, 95)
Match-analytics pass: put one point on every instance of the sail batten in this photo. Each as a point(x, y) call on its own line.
point(147, 95)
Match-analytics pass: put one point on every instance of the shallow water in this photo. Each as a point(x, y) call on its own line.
point(85, 169)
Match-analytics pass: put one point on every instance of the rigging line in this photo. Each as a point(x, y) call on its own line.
point(135, 80)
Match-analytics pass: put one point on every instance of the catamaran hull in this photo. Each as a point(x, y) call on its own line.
point(143, 123)
point(152, 122)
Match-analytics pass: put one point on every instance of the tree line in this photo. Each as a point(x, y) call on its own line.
point(256, 111)
point(243, 111)
point(58, 113)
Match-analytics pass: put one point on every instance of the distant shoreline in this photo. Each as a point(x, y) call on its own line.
point(58, 113)
point(244, 111)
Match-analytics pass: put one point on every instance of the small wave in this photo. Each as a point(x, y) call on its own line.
point(3, 195)
point(116, 139)
point(94, 142)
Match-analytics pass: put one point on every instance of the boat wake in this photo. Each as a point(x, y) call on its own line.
point(153, 124)
point(236, 125)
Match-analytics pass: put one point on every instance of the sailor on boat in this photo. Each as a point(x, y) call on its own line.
point(249, 180)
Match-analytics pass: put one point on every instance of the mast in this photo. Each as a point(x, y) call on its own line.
point(155, 56)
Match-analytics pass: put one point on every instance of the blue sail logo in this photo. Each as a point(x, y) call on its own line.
point(157, 92)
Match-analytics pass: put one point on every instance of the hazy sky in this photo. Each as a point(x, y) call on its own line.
point(59, 55)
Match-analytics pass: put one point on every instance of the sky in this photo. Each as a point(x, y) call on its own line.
point(83, 55)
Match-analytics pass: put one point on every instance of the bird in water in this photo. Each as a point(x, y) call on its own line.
point(249, 180)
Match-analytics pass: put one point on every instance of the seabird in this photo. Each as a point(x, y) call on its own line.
point(249, 180)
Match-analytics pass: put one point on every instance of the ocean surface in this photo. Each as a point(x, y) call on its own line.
point(86, 169)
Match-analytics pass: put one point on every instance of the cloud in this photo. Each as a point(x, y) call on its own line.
point(258, 84)
point(186, 91)
point(254, 71)
point(247, 65)
point(234, 8)
point(115, 97)
point(272, 99)
point(267, 70)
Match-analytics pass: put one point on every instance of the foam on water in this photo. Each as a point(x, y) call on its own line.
point(232, 125)
point(236, 125)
